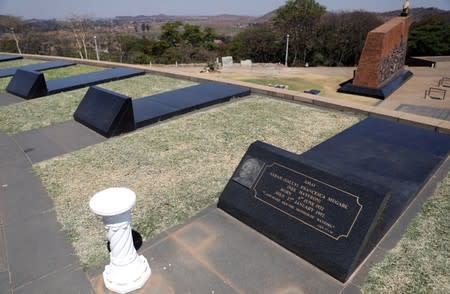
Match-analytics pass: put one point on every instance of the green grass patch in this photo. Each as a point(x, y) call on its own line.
point(18, 62)
point(56, 73)
point(63, 72)
point(58, 108)
point(420, 263)
point(176, 168)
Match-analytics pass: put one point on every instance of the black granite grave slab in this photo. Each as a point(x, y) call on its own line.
point(27, 84)
point(106, 112)
point(325, 219)
point(382, 92)
point(90, 79)
point(199, 96)
point(151, 109)
point(9, 57)
point(148, 111)
point(30, 84)
point(397, 156)
point(7, 72)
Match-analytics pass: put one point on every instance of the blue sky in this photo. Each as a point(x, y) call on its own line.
point(45, 9)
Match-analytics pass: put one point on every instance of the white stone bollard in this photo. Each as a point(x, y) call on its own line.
point(127, 270)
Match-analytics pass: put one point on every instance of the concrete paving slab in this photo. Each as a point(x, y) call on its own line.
point(8, 99)
point(48, 142)
point(37, 247)
point(4, 283)
point(250, 261)
point(182, 271)
point(428, 111)
point(72, 135)
point(22, 197)
point(36, 146)
point(175, 270)
point(3, 255)
point(218, 253)
point(11, 154)
point(35, 256)
point(351, 289)
point(69, 280)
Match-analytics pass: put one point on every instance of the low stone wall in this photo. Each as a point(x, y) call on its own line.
point(337, 104)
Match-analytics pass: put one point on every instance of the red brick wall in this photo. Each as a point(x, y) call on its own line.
point(383, 54)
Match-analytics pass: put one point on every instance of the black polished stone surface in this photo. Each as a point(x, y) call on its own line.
point(200, 96)
point(99, 109)
point(381, 152)
point(9, 57)
point(323, 218)
point(27, 84)
point(30, 84)
point(147, 111)
point(414, 61)
point(108, 113)
point(35, 67)
point(161, 106)
point(90, 79)
point(382, 92)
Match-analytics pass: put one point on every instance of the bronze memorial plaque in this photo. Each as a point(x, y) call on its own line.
point(323, 207)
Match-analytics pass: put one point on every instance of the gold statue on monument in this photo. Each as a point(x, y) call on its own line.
point(405, 9)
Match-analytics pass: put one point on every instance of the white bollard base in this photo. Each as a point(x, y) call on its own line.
point(127, 278)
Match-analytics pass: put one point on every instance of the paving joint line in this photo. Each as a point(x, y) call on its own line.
point(46, 276)
point(5, 247)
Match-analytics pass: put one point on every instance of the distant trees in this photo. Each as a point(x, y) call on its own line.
point(430, 36)
point(333, 39)
point(178, 42)
point(260, 44)
point(316, 37)
point(299, 19)
point(12, 25)
point(341, 37)
point(80, 28)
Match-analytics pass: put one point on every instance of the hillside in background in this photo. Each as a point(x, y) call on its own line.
point(416, 14)
point(190, 39)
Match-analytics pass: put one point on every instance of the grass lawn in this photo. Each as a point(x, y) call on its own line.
point(295, 84)
point(60, 107)
point(420, 263)
point(56, 73)
point(18, 62)
point(327, 85)
point(176, 168)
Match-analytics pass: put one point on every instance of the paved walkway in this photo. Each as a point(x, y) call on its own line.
point(435, 112)
point(35, 255)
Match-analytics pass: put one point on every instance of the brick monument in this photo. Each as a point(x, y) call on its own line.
point(381, 66)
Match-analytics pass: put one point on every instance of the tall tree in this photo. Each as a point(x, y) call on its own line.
point(342, 35)
point(299, 19)
point(171, 32)
point(430, 36)
point(260, 44)
point(192, 34)
point(12, 24)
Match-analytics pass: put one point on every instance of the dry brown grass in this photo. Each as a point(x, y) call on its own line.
point(178, 167)
point(420, 262)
